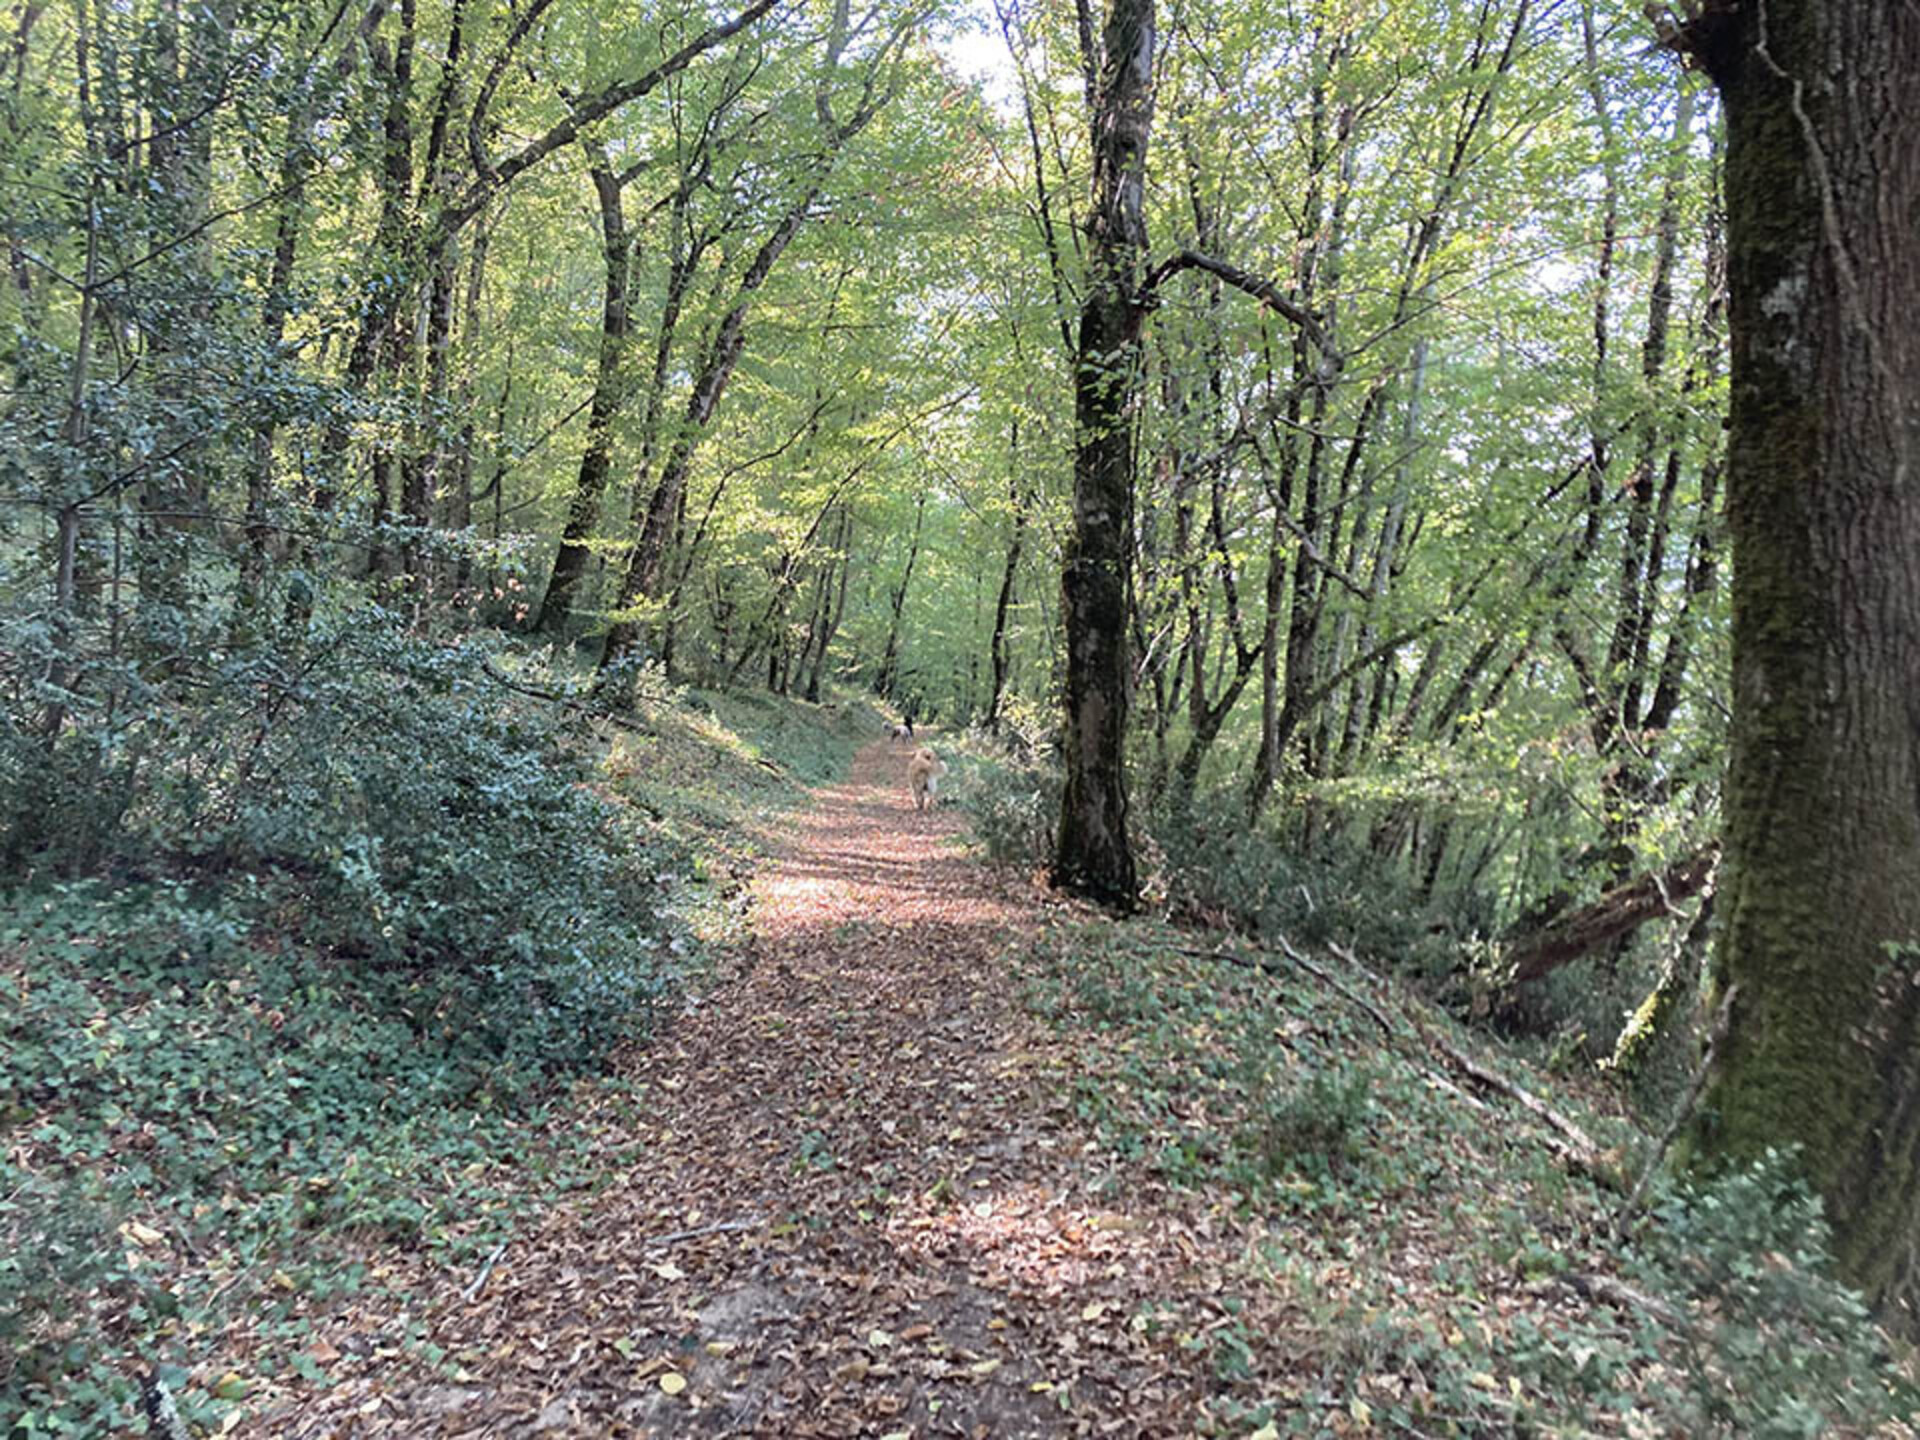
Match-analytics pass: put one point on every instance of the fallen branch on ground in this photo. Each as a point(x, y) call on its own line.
point(1571, 1144)
point(1261, 963)
point(674, 1237)
point(562, 699)
point(1625, 1297)
point(1579, 1148)
point(473, 1290)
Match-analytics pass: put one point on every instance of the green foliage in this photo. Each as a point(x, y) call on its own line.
point(806, 745)
point(1013, 802)
point(1430, 1275)
point(1284, 1115)
point(712, 769)
point(1215, 867)
point(358, 908)
point(183, 1081)
point(1779, 1348)
point(1316, 1125)
point(372, 790)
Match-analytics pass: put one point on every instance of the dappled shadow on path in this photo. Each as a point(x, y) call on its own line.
point(859, 1209)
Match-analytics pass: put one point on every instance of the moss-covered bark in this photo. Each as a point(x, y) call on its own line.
point(1823, 799)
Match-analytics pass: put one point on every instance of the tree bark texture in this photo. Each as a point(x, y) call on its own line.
point(1822, 899)
point(1092, 855)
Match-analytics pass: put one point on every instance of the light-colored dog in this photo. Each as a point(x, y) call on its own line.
point(903, 731)
point(923, 777)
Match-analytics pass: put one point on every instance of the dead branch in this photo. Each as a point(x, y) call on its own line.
point(1573, 1144)
point(1519, 1094)
point(1259, 287)
point(1570, 1143)
point(1261, 963)
point(674, 1237)
point(1623, 1296)
point(1620, 911)
point(480, 1280)
point(563, 700)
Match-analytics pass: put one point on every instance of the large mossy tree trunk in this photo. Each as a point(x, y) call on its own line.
point(1092, 855)
point(1822, 900)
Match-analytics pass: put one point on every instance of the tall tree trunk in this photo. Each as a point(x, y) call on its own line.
point(296, 162)
point(647, 564)
point(1822, 891)
point(1207, 714)
point(835, 607)
point(889, 675)
point(1093, 856)
point(189, 69)
point(383, 337)
point(1279, 477)
point(25, 16)
point(430, 455)
point(1003, 605)
point(583, 511)
point(460, 488)
point(1360, 727)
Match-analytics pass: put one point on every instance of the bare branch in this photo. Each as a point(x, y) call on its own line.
point(489, 178)
point(1265, 291)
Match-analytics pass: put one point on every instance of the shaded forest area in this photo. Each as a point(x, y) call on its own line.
point(411, 403)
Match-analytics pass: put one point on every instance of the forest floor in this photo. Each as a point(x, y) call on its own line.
point(937, 1154)
point(859, 1209)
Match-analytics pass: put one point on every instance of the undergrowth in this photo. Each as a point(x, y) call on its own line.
point(1423, 1265)
point(322, 985)
point(1011, 796)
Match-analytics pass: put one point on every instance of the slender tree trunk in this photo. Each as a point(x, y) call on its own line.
point(295, 164)
point(646, 565)
point(460, 489)
point(1360, 729)
point(1278, 686)
point(1207, 709)
point(384, 338)
point(1821, 897)
point(26, 15)
point(429, 452)
point(189, 67)
point(1003, 605)
point(835, 607)
point(1093, 855)
point(1266, 760)
point(889, 675)
point(583, 511)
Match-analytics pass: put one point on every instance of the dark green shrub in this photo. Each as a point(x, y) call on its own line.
point(1014, 803)
point(382, 795)
point(1313, 1127)
point(1779, 1347)
point(1212, 867)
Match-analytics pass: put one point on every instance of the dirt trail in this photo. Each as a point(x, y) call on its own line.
point(859, 1210)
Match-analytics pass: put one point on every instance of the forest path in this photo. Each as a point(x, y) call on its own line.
point(860, 1207)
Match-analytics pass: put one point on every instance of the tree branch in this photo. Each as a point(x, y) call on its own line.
point(489, 178)
point(1263, 290)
